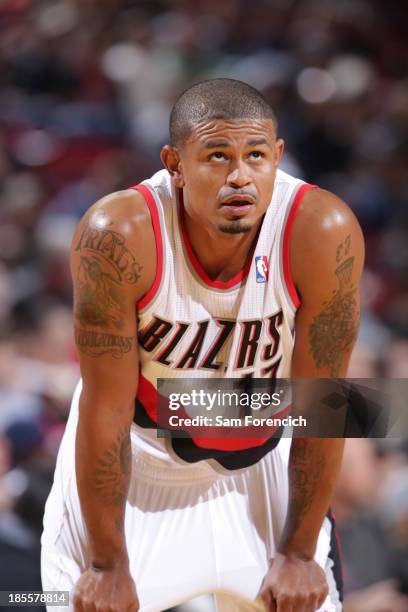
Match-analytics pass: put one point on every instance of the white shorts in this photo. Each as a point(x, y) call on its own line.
point(189, 529)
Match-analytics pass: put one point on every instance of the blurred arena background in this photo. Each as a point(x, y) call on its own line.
point(85, 93)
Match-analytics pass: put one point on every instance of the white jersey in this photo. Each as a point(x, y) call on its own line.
point(193, 327)
point(191, 529)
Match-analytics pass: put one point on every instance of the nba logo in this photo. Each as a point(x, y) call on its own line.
point(262, 269)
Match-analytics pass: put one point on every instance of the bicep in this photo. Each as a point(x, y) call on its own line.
point(105, 323)
point(327, 321)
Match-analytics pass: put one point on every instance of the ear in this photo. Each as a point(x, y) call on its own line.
point(279, 148)
point(170, 157)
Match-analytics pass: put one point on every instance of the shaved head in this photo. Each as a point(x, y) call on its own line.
point(216, 99)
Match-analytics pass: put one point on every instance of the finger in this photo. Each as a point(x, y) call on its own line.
point(283, 604)
point(87, 605)
point(269, 601)
point(300, 604)
point(77, 604)
point(292, 603)
point(272, 605)
point(312, 604)
point(260, 604)
point(303, 603)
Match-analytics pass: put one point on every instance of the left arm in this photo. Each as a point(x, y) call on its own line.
point(327, 270)
point(326, 260)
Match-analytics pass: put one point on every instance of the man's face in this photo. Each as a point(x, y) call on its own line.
point(227, 169)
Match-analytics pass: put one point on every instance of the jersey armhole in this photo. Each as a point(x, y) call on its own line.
point(154, 213)
point(287, 232)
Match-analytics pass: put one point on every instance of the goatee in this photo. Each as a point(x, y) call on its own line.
point(235, 228)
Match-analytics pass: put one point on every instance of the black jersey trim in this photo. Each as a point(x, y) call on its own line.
point(186, 449)
point(335, 556)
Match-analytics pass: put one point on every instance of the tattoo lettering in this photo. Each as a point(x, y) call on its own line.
point(334, 330)
point(96, 344)
point(343, 249)
point(111, 246)
point(112, 474)
point(99, 301)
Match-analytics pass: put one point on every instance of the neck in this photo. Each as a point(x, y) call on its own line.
point(222, 256)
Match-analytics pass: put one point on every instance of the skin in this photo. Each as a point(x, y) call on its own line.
point(327, 253)
point(210, 174)
point(113, 267)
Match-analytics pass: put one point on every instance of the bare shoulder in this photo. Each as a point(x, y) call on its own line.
point(322, 214)
point(118, 230)
point(325, 231)
point(125, 212)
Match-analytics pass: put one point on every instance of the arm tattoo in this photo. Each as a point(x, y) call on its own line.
point(112, 472)
point(96, 344)
point(111, 247)
point(343, 249)
point(333, 331)
point(99, 301)
point(307, 463)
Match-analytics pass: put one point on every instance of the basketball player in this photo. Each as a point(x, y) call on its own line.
point(167, 285)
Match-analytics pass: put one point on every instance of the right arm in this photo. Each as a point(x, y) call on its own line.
point(110, 273)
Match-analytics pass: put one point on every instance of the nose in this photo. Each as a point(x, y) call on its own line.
point(238, 177)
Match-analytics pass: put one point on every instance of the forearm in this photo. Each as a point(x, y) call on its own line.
point(314, 465)
point(103, 469)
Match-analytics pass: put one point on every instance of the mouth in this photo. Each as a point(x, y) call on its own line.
point(238, 206)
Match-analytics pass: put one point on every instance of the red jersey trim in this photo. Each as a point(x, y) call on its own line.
point(148, 397)
point(154, 213)
point(234, 281)
point(290, 285)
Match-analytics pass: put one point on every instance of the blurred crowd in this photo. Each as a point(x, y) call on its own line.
point(86, 88)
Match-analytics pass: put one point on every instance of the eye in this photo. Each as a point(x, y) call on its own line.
point(218, 155)
point(256, 154)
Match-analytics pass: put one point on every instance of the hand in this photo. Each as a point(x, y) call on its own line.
point(293, 584)
point(109, 590)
